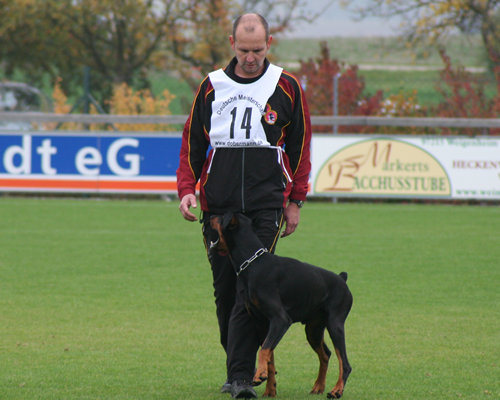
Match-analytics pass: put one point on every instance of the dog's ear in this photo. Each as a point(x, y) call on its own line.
point(215, 222)
point(227, 219)
point(231, 221)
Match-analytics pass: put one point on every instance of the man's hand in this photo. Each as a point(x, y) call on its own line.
point(292, 217)
point(189, 200)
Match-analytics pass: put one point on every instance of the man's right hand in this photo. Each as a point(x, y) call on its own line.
point(189, 200)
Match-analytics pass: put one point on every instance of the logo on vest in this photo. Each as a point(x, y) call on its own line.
point(270, 115)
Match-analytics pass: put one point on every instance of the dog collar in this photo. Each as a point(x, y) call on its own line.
point(246, 263)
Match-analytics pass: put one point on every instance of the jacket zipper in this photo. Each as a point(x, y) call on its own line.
point(243, 181)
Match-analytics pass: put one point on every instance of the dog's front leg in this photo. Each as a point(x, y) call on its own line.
point(277, 328)
point(262, 372)
point(271, 378)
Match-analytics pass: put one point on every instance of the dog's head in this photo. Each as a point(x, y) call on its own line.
point(222, 224)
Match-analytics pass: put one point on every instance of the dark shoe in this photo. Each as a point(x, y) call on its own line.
point(242, 390)
point(226, 388)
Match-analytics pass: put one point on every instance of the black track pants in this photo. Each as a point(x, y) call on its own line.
point(240, 333)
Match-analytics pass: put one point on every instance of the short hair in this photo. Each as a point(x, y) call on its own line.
point(259, 17)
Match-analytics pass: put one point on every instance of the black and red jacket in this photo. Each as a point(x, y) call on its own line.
point(247, 179)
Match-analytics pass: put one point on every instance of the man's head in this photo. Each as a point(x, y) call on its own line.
point(250, 42)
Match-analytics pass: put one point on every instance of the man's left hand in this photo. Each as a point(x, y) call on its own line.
point(292, 217)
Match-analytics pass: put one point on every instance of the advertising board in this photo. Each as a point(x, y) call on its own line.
point(436, 167)
point(358, 166)
point(89, 162)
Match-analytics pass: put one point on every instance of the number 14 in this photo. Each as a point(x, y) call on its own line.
point(245, 122)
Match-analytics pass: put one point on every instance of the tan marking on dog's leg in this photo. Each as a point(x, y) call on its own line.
point(271, 378)
point(264, 358)
point(339, 386)
point(320, 384)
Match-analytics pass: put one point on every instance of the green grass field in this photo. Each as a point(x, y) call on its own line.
point(379, 50)
point(113, 299)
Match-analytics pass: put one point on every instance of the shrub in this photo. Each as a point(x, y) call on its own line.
point(124, 101)
point(318, 78)
point(463, 97)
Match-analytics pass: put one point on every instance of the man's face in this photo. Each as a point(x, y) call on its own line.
point(250, 49)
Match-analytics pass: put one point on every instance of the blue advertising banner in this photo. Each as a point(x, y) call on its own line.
point(94, 161)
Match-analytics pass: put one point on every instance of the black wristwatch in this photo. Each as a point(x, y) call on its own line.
point(299, 203)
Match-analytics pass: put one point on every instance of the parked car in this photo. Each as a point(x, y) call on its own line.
point(18, 96)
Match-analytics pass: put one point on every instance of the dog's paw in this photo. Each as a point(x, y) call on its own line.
point(269, 392)
point(257, 380)
point(260, 376)
point(334, 394)
point(317, 390)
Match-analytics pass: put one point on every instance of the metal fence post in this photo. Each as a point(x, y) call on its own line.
point(86, 90)
point(336, 100)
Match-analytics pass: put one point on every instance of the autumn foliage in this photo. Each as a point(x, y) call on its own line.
point(124, 101)
point(318, 78)
point(462, 92)
point(463, 96)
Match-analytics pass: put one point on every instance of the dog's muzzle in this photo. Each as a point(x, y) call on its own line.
point(214, 248)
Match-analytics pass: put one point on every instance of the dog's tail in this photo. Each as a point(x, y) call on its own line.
point(343, 275)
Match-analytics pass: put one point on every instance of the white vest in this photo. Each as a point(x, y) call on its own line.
point(238, 108)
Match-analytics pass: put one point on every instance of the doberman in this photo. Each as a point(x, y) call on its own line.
point(284, 291)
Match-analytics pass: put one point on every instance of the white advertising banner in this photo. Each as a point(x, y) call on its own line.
point(445, 167)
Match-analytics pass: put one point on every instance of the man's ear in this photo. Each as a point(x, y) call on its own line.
point(269, 41)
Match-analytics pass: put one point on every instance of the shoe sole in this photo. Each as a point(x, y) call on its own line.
point(245, 394)
point(226, 388)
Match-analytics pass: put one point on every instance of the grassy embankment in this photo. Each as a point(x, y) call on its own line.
point(385, 63)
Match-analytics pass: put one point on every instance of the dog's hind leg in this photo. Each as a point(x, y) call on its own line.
point(315, 330)
point(271, 379)
point(336, 330)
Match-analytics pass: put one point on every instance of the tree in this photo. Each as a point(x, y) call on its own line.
point(429, 20)
point(201, 41)
point(118, 37)
point(115, 38)
point(31, 43)
point(283, 14)
point(121, 40)
point(200, 44)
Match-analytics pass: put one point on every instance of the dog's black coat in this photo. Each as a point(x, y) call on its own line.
point(284, 291)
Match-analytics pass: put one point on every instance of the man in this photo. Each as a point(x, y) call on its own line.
point(254, 116)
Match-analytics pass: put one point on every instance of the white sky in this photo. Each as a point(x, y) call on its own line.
point(338, 21)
